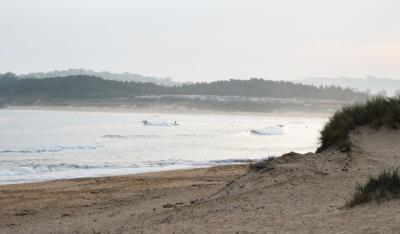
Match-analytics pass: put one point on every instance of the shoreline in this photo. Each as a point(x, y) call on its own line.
point(146, 173)
point(160, 173)
point(166, 110)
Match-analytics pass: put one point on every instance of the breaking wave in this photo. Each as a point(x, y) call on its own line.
point(52, 149)
point(41, 172)
point(117, 136)
point(129, 136)
point(271, 130)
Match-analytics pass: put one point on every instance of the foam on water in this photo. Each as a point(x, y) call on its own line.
point(159, 122)
point(40, 172)
point(269, 131)
point(50, 149)
point(129, 136)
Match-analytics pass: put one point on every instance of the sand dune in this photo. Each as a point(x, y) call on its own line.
point(292, 194)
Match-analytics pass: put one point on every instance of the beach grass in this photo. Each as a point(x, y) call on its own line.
point(375, 112)
point(386, 186)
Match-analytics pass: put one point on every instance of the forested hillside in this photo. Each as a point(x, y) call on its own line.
point(84, 87)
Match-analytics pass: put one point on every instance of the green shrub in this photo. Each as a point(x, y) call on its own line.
point(386, 186)
point(375, 112)
point(262, 164)
point(257, 166)
point(345, 146)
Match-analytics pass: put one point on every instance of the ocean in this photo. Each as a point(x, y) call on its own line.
point(49, 145)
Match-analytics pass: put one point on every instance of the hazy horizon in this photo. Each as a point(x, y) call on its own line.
point(228, 78)
point(203, 40)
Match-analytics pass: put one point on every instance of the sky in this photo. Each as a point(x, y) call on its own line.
point(203, 40)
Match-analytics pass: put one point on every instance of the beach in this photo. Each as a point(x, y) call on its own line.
point(203, 117)
point(295, 193)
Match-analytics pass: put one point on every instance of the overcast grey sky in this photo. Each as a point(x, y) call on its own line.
point(201, 40)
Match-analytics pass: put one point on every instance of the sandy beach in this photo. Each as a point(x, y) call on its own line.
point(292, 194)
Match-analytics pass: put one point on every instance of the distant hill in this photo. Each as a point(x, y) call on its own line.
point(373, 84)
point(255, 95)
point(85, 86)
point(103, 74)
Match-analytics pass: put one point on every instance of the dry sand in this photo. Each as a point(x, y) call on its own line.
point(293, 194)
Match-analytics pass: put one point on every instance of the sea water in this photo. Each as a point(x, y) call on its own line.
point(49, 145)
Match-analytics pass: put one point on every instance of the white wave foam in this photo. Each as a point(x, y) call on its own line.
point(159, 122)
point(51, 149)
point(38, 172)
point(271, 130)
point(116, 136)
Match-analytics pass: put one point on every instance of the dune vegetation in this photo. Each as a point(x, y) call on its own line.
point(375, 112)
point(261, 164)
point(385, 186)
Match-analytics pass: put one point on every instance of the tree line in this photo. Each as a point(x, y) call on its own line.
point(86, 87)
